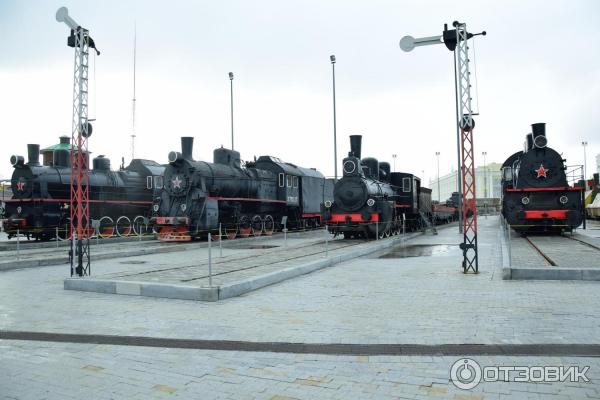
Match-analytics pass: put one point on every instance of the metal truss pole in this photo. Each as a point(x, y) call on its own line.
point(469, 209)
point(79, 203)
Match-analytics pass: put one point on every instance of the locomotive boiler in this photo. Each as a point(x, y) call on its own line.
point(257, 198)
point(39, 207)
point(536, 195)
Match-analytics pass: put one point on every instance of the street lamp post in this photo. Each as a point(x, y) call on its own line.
point(231, 97)
point(584, 144)
point(394, 158)
point(484, 153)
point(332, 59)
point(437, 154)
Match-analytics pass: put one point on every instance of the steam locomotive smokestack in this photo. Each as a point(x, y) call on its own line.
point(33, 152)
point(538, 129)
point(187, 145)
point(355, 145)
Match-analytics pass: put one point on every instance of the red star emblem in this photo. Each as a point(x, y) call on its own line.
point(541, 171)
point(20, 186)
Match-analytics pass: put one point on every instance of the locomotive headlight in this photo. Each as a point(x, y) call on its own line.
point(563, 199)
point(183, 207)
point(327, 203)
point(525, 200)
point(349, 166)
point(19, 209)
point(370, 202)
point(155, 207)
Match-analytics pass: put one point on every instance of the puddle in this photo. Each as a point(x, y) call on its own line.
point(133, 262)
point(418, 250)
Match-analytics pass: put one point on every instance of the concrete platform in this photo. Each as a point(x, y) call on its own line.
point(244, 267)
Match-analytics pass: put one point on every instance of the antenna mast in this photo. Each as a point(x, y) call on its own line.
point(133, 100)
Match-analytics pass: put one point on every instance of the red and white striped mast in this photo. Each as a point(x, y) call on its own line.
point(456, 40)
point(81, 130)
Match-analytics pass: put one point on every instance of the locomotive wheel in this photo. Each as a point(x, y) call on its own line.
point(231, 232)
point(123, 226)
point(257, 226)
point(245, 226)
point(269, 225)
point(139, 225)
point(107, 229)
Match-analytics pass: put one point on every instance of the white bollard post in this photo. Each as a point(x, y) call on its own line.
point(327, 242)
point(376, 230)
point(57, 237)
point(220, 242)
point(18, 247)
point(209, 260)
point(285, 234)
point(509, 247)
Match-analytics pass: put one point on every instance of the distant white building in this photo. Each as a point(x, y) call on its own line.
point(487, 183)
point(598, 163)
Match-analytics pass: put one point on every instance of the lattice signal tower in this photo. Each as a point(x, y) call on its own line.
point(456, 40)
point(81, 130)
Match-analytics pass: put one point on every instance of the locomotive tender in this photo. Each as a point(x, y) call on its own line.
point(536, 195)
point(201, 197)
point(41, 193)
point(370, 200)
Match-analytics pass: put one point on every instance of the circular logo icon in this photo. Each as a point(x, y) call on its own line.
point(465, 373)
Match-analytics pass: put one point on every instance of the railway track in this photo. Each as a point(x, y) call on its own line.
point(565, 250)
point(232, 263)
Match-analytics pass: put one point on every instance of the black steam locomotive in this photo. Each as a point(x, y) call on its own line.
point(201, 197)
point(536, 195)
point(370, 200)
point(118, 200)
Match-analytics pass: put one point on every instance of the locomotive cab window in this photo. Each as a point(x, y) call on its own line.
point(148, 182)
point(281, 180)
point(406, 185)
point(289, 181)
point(295, 182)
point(507, 173)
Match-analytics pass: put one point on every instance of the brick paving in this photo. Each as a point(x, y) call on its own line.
point(38, 370)
point(424, 300)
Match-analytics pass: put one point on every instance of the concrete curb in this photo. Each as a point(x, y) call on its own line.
point(215, 293)
point(554, 273)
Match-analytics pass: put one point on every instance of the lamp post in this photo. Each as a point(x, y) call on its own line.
point(332, 59)
point(584, 144)
point(484, 153)
point(394, 158)
point(231, 96)
point(437, 154)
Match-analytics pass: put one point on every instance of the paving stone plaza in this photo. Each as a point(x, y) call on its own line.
point(372, 300)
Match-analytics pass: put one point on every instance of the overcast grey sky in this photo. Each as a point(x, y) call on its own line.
point(539, 63)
